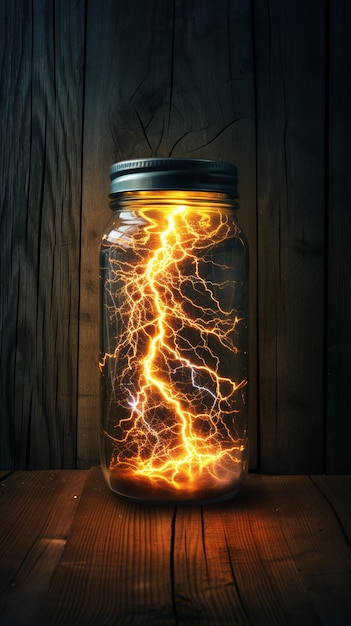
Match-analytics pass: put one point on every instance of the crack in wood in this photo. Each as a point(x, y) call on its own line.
point(172, 557)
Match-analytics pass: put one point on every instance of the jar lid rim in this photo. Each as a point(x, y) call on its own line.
point(173, 174)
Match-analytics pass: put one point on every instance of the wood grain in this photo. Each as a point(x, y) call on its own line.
point(41, 53)
point(36, 513)
point(266, 557)
point(205, 589)
point(115, 569)
point(233, 566)
point(308, 522)
point(337, 491)
point(73, 553)
point(338, 295)
point(290, 109)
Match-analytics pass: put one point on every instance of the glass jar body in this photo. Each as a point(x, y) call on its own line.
point(174, 283)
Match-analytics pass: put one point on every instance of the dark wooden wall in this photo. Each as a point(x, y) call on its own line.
point(264, 84)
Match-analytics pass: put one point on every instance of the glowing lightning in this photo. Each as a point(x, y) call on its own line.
point(174, 410)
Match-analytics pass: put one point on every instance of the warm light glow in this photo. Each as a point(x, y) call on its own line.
point(173, 405)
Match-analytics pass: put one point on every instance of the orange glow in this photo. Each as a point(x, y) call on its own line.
point(174, 407)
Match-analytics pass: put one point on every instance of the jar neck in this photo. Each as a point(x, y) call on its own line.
point(159, 198)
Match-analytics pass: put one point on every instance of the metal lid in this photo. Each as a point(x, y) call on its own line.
point(173, 174)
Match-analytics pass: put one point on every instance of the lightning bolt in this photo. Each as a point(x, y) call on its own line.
point(174, 409)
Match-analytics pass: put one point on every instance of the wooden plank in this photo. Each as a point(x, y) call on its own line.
point(4, 474)
point(36, 513)
point(233, 566)
point(338, 424)
point(116, 565)
point(290, 100)
point(278, 553)
point(205, 590)
point(41, 59)
point(337, 491)
point(266, 575)
point(137, 564)
point(163, 79)
point(318, 545)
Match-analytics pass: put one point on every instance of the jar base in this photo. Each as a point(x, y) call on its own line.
point(145, 491)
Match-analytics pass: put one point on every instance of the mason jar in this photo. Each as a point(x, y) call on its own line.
point(174, 318)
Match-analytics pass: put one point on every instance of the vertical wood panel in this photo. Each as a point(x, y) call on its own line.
point(290, 71)
point(175, 78)
point(163, 79)
point(41, 48)
point(338, 431)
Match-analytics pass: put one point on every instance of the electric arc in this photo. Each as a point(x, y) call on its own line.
point(172, 405)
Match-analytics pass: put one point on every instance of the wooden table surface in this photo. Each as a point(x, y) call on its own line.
point(72, 553)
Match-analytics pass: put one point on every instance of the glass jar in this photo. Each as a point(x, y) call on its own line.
point(174, 309)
